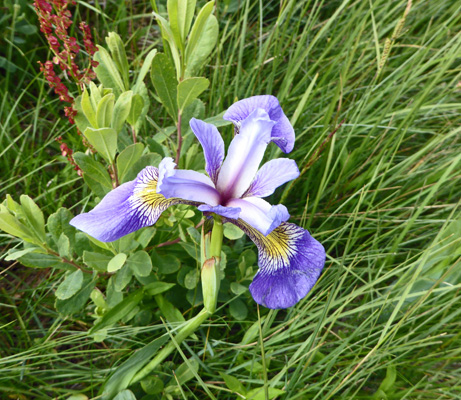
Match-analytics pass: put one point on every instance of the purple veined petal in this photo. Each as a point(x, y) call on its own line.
point(227, 212)
point(244, 155)
point(283, 134)
point(260, 214)
point(213, 146)
point(185, 184)
point(126, 209)
point(271, 175)
point(290, 262)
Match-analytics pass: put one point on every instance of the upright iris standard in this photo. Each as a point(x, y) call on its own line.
point(290, 259)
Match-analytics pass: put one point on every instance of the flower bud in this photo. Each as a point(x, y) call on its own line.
point(210, 283)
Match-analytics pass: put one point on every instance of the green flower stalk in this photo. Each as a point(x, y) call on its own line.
point(211, 257)
point(211, 252)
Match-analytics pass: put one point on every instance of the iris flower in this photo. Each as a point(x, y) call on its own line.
point(290, 259)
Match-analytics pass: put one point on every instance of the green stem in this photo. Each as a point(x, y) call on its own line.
point(178, 148)
point(211, 266)
point(216, 238)
point(191, 326)
point(114, 170)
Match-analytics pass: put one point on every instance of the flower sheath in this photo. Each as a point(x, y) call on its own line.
point(290, 259)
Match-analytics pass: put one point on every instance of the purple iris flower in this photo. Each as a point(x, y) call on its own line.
point(290, 259)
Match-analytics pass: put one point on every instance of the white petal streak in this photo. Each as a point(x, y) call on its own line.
point(245, 154)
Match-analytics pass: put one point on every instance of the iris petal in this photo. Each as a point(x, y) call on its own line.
point(283, 134)
point(186, 184)
point(213, 146)
point(129, 207)
point(260, 214)
point(244, 155)
point(290, 262)
point(271, 175)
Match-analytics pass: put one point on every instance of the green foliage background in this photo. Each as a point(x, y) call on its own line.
point(382, 195)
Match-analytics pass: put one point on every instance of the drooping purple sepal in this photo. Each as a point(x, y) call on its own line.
point(290, 262)
point(131, 206)
point(283, 134)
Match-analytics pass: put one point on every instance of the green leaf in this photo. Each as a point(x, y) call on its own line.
point(63, 245)
point(98, 189)
point(140, 263)
point(124, 374)
point(102, 245)
point(167, 34)
point(152, 385)
point(206, 44)
point(198, 29)
point(237, 288)
point(180, 14)
point(387, 385)
point(104, 140)
point(117, 50)
point(121, 110)
point(14, 254)
point(189, 89)
point(144, 70)
point(12, 226)
point(107, 72)
point(169, 311)
point(143, 92)
point(127, 158)
point(118, 312)
point(77, 301)
point(88, 110)
point(41, 260)
point(113, 297)
point(137, 106)
point(145, 160)
point(34, 216)
point(80, 119)
point(96, 261)
point(58, 223)
point(11, 205)
point(258, 393)
point(232, 232)
point(163, 78)
point(158, 287)
point(70, 285)
point(122, 278)
point(233, 384)
point(94, 169)
point(116, 262)
point(105, 111)
point(192, 249)
point(95, 95)
point(238, 309)
point(191, 279)
point(248, 257)
point(168, 264)
point(98, 299)
point(125, 395)
point(185, 372)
